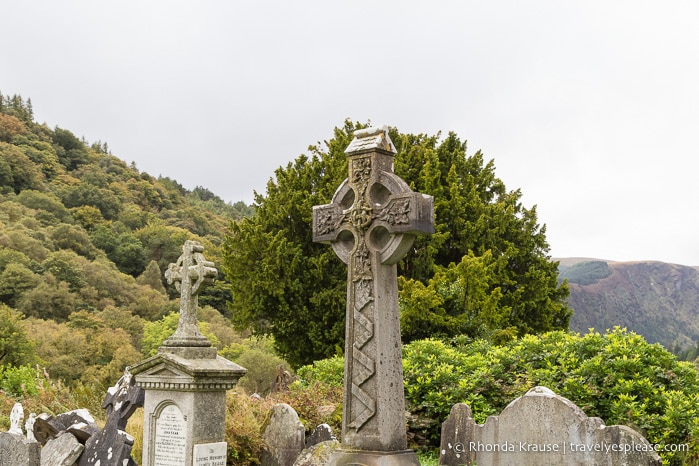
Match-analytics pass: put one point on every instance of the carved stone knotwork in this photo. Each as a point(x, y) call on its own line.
point(371, 223)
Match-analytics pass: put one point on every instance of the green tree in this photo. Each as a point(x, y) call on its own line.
point(15, 347)
point(285, 285)
point(71, 151)
point(50, 299)
point(17, 171)
point(121, 246)
point(153, 277)
point(15, 280)
point(68, 267)
point(82, 194)
point(47, 204)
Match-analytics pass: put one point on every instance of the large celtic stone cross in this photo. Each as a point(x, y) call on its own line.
point(371, 223)
point(189, 274)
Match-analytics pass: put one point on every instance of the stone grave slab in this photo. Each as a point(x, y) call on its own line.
point(210, 454)
point(540, 429)
point(15, 450)
point(64, 450)
point(284, 437)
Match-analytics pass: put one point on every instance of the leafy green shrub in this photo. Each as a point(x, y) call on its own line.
point(263, 368)
point(18, 381)
point(329, 371)
point(616, 376)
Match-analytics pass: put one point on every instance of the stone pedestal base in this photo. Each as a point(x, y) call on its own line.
point(344, 457)
point(185, 405)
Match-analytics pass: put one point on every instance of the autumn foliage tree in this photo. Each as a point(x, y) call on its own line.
point(485, 272)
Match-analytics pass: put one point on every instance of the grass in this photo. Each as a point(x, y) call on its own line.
point(428, 458)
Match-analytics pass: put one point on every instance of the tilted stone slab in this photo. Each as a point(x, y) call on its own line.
point(322, 433)
point(540, 429)
point(64, 450)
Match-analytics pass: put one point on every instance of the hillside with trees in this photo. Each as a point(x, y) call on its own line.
point(84, 241)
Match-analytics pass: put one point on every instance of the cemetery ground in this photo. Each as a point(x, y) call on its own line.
point(616, 376)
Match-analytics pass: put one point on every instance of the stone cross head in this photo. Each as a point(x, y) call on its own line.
point(190, 274)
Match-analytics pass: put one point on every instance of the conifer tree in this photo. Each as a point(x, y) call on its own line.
point(485, 272)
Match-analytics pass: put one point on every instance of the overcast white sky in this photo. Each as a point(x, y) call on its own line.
point(591, 107)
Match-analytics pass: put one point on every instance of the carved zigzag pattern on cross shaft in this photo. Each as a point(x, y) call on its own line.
point(367, 366)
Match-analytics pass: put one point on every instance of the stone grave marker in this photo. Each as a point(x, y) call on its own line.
point(371, 224)
point(15, 449)
point(112, 445)
point(29, 427)
point(540, 429)
point(78, 422)
point(186, 382)
point(322, 433)
point(63, 450)
point(16, 418)
point(284, 437)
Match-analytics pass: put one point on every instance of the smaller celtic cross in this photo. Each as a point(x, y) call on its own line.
point(189, 274)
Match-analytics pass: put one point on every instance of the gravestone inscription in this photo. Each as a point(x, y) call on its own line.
point(371, 224)
point(170, 437)
point(210, 454)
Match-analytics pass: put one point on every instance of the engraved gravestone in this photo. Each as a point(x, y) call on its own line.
point(170, 438)
point(371, 224)
point(210, 454)
point(186, 382)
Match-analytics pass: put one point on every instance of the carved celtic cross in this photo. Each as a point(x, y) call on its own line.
point(189, 274)
point(371, 224)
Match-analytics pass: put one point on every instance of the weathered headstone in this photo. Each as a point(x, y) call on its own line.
point(64, 450)
point(78, 422)
point(112, 445)
point(284, 437)
point(322, 433)
point(186, 382)
point(371, 223)
point(15, 449)
point(29, 427)
point(16, 418)
point(318, 454)
point(539, 429)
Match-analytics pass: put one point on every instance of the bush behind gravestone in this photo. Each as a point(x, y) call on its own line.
point(616, 376)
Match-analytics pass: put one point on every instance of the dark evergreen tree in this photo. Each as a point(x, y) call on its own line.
point(285, 285)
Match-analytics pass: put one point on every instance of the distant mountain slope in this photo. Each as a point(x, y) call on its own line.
point(657, 300)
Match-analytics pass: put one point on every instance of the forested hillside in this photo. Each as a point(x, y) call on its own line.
point(84, 239)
